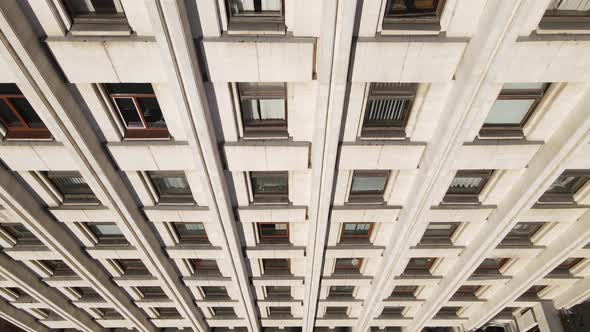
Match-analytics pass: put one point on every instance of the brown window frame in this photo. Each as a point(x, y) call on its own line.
point(186, 238)
point(200, 267)
point(108, 240)
point(348, 268)
point(264, 129)
point(468, 198)
point(409, 294)
point(425, 21)
point(522, 240)
point(136, 133)
point(25, 132)
point(448, 311)
point(273, 270)
point(354, 238)
point(11, 228)
point(566, 197)
point(81, 198)
point(368, 196)
point(270, 198)
point(488, 270)
point(410, 270)
point(441, 238)
point(510, 130)
point(382, 129)
point(273, 239)
point(168, 198)
point(566, 269)
point(256, 22)
point(131, 270)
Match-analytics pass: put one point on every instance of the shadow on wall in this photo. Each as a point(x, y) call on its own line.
point(576, 319)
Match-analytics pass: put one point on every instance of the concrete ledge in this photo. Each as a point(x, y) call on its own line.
point(261, 156)
point(203, 252)
point(83, 214)
point(380, 155)
point(366, 213)
point(37, 156)
point(502, 155)
point(275, 252)
point(272, 213)
point(347, 251)
point(164, 213)
point(152, 156)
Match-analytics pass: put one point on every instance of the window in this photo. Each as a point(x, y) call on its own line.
point(97, 12)
point(388, 109)
point(448, 311)
point(59, 268)
point(404, 291)
point(534, 291)
point(223, 311)
point(72, 187)
point(167, 312)
point(466, 187)
point(278, 291)
point(279, 311)
point(341, 291)
point(264, 109)
point(21, 234)
point(205, 267)
point(368, 186)
point(276, 266)
point(512, 109)
point(490, 266)
point(522, 233)
point(191, 232)
point(571, 16)
point(87, 293)
point(215, 292)
point(107, 233)
point(151, 292)
point(467, 291)
point(18, 116)
point(439, 233)
point(565, 187)
point(392, 311)
point(256, 15)
point(567, 265)
point(336, 311)
point(139, 110)
point(171, 187)
point(356, 233)
point(420, 15)
point(110, 313)
point(347, 265)
point(419, 266)
point(132, 267)
point(270, 187)
point(273, 232)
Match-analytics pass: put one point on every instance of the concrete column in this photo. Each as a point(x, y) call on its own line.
point(548, 317)
point(20, 319)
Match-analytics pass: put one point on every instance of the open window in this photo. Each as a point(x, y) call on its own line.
point(273, 233)
point(139, 110)
point(256, 16)
point(171, 187)
point(97, 18)
point(368, 186)
point(512, 109)
point(466, 187)
point(18, 117)
point(413, 16)
point(566, 16)
point(270, 187)
point(264, 110)
point(388, 109)
point(356, 233)
point(563, 189)
point(73, 188)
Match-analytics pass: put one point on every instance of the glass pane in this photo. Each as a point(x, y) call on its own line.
point(27, 113)
point(269, 184)
point(107, 230)
point(356, 229)
point(272, 109)
point(398, 7)
point(151, 112)
point(250, 110)
point(569, 5)
point(565, 184)
point(104, 6)
point(129, 112)
point(8, 117)
point(254, 7)
point(367, 184)
point(171, 185)
point(130, 88)
point(509, 111)
point(523, 86)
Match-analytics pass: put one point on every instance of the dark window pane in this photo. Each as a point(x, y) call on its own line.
point(411, 8)
point(566, 184)
point(278, 291)
point(8, 117)
point(269, 184)
point(130, 88)
point(133, 267)
point(152, 292)
point(214, 291)
point(255, 7)
point(129, 112)
point(191, 232)
point(27, 113)
point(70, 184)
point(151, 112)
point(341, 291)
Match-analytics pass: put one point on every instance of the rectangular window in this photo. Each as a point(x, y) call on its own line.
point(448, 311)
point(171, 187)
point(264, 109)
point(566, 266)
point(388, 109)
point(413, 15)
point(566, 16)
point(356, 233)
point(133, 267)
point(564, 188)
point(110, 313)
point(392, 311)
point(512, 109)
point(94, 17)
point(214, 292)
point(467, 291)
point(205, 267)
point(534, 291)
point(72, 187)
point(439, 233)
point(256, 15)
point(273, 233)
point(21, 234)
point(191, 232)
point(151, 292)
point(87, 293)
point(279, 311)
point(278, 291)
point(18, 116)
point(522, 233)
point(59, 268)
point(404, 291)
point(107, 233)
point(466, 187)
point(276, 266)
point(490, 266)
point(270, 187)
point(419, 266)
point(341, 291)
point(348, 265)
point(139, 110)
point(223, 311)
point(167, 312)
point(368, 186)
point(336, 311)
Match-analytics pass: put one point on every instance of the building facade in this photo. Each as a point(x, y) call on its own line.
point(294, 165)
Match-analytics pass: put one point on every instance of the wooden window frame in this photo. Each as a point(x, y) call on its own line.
point(267, 128)
point(109, 240)
point(384, 129)
point(429, 21)
point(348, 269)
point(510, 130)
point(487, 270)
point(270, 198)
point(170, 198)
point(270, 270)
point(435, 239)
point(146, 294)
point(468, 198)
point(273, 239)
point(72, 198)
point(258, 22)
point(566, 198)
point(518, 240)
point(353, 238)
point(409, 270)
point(25, 132)
point(368, 196)
point(185, 238)
point(135, 133)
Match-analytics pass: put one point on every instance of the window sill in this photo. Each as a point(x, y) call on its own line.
point(383, 134)
point(255, 27)
point(28, 135)
point(564, 25)
point(160, 134)
point(410, 27)
point(377, 199)
point(460, 199)
point(100, 29)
